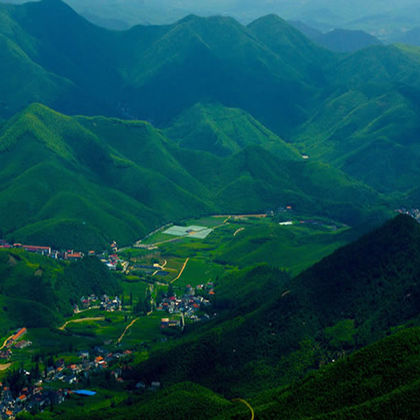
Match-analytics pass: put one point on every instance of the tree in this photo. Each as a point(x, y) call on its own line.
point(147, 301)
point(171, 290)
point(139, 307)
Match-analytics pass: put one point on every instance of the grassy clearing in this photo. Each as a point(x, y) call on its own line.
point(198, 271)
point(147, 328)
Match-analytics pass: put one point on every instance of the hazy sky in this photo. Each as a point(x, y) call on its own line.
point(375, 16)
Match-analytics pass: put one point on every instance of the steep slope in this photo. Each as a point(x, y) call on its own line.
point(71, 179)
point(140, 73)
point(224, 131)
point(379, 381)
point(292, 45)
point(214, 60)
point(84, 181)
point(369, 127)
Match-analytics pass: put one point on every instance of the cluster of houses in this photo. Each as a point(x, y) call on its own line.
point(38, 398)
point(414, 213)
point(47, 251)
point(189, 304)
point(14, 341)
point(104, 302)
point(93, 362)
point(34, 398)
point(112, 261)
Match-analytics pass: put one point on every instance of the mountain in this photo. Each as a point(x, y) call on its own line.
point(348, 300)
point(72, 179)
point(370, 119)
point(338, 40)
point(61, 178)
point(411, 37)
point(354, 112)
point(215, 59)
point(344, 40)
point(225, 131)
point(379, 380)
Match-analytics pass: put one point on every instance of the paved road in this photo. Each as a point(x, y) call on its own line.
point(5, 341)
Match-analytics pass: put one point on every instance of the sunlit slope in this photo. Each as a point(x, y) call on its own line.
point(84, 181)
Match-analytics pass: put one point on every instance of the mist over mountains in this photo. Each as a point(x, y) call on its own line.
point(386, 20)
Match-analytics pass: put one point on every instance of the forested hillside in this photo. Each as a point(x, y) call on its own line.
point(83, 182)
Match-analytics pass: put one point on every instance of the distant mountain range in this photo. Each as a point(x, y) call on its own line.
point(338, 40)
point(386, 20)
point(249, 100)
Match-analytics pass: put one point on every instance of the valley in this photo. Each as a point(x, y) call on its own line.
point(206, 219)
point(166, 286)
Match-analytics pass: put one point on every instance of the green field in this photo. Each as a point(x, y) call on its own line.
point(247, 241)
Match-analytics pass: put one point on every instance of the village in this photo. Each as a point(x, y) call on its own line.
point(414, 213)
point(39, 394)
point(112, 261)
point(104, 302)
point(190, 305)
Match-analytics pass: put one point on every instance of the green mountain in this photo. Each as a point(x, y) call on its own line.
point(139, 73)
point(225, 131)
point(378, 381)
point(346, 41)
point(355, 112)
point(368, 127)
point(84, 181)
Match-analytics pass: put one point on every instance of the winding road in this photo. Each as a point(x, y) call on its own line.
point(247, 404)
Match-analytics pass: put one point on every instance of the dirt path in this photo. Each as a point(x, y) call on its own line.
point(238, 230)
point(247, 404)
point(126, 329)
point(99, 318)
point(182, 270)
point(5, 366)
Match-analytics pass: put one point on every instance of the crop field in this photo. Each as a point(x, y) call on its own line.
point(238, 241)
